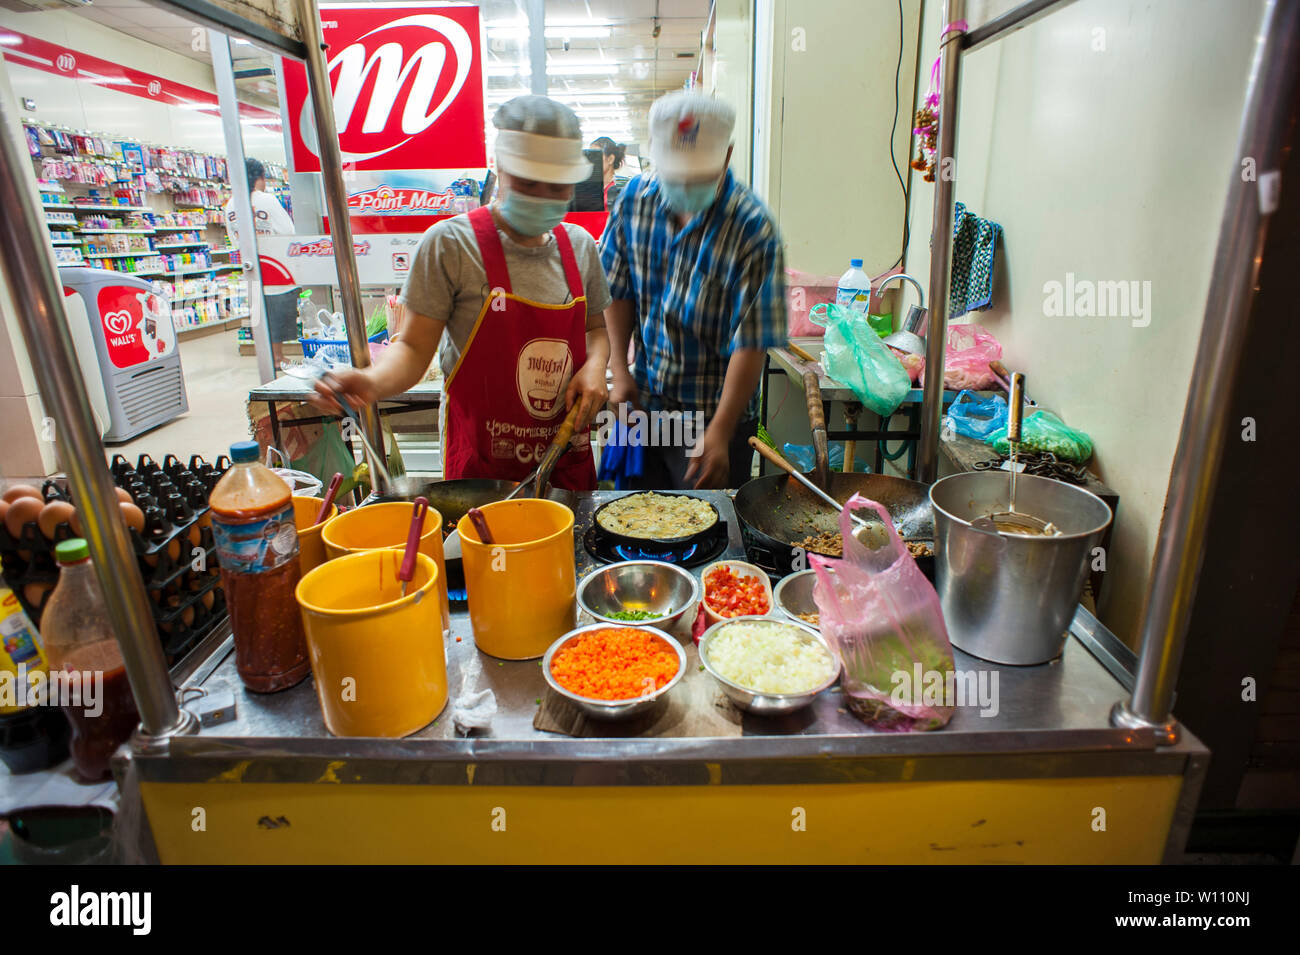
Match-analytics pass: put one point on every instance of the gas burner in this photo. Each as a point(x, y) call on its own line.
point(712, 546)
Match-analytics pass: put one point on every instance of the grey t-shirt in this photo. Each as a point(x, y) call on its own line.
point(448, 282)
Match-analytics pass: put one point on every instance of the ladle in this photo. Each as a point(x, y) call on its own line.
point(1012, 521)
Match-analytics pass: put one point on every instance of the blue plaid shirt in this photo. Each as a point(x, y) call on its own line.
point(701, 291)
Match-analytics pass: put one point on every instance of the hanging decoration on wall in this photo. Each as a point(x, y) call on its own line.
point(926, 127)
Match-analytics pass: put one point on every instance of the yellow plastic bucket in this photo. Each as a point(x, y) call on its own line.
point(522, 589)
point(377, 526)
point(377, 657)
point(311, 549)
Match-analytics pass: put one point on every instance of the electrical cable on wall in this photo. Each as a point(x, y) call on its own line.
point(892, 129)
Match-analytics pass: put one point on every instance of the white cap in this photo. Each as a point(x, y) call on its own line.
point(689, 135)
point(541, 158)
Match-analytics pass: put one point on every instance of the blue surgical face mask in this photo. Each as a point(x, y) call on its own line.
point(530, 215)
point(689, 198)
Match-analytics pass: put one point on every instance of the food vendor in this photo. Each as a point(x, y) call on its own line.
point(520, 295)
point(613, 155)
point(696, 269)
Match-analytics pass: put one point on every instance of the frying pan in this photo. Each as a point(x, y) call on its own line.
point(626, 540)
point(776, 512)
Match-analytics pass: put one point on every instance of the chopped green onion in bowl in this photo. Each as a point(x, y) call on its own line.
point(633, 615)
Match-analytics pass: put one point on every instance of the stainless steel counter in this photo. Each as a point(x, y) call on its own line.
point(1043, 713)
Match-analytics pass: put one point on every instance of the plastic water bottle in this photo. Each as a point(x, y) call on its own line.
point(854, 288)
point(257, 547)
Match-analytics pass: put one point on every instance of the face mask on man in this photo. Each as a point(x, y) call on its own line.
point(689, 198)
point(529, 215)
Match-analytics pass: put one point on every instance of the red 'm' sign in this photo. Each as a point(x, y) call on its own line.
point(408, 87)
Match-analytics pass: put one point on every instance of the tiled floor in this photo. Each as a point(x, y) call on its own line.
point(217, 381)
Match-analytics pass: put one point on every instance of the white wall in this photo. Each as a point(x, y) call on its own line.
point(826, 88)
point(68, 102)
point(1101, 138)
point(729, 74)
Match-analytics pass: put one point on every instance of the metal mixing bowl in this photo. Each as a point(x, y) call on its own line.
point(639, 585)
point(754, 701)
point(613, 709)
point(794, 595)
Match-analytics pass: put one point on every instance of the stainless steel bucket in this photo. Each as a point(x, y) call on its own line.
point(1010, 598)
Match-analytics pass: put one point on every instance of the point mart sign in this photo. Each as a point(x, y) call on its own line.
point(408, 89)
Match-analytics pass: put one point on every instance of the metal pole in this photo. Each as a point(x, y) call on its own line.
point(223, 70)
point(537, 46)
point(336, 203)
point(940, 245)
point(1014, 19)
point(1180, 545)
point(38, 300)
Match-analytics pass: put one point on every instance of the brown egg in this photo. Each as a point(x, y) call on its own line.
point(4, 509)
point(187, 616)
point(174, 548)
point(196, 535)
point(52, 515)
point(34, 593)
point(22, 511)
point(75, 522)
point(133, 516)
point(123, 495)
point(23, 490)
point(208, 600)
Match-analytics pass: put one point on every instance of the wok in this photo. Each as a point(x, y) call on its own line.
point(776, 512)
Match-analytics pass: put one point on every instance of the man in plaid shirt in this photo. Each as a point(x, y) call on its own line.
point(696, 270)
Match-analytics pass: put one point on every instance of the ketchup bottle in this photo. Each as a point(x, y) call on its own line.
point(257, 547)
point(79, 639)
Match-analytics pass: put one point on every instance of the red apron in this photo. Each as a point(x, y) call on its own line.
point(505, 397)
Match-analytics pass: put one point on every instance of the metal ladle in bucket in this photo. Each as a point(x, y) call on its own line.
point(1012, 521)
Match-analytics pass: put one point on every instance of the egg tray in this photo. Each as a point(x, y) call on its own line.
point(29, 560)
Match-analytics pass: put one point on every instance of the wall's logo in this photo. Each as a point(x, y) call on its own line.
point(155, 87)
point(117, 323)
point(66, 62)
point(425, 57)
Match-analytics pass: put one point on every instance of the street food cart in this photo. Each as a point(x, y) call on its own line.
point(1079, 761)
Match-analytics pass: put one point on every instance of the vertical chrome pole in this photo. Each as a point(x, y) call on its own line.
point(223, 70)
point(945, 184)
point(336, 204)
point(537, 46)
point(38, 299)
point(1261, 143)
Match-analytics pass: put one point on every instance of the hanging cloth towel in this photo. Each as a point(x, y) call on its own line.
point(619, 461)
point(974, 244)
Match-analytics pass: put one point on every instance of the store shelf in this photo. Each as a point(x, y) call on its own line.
point(179, 228)
point(85, 231)
point(180, 245)
point(223, 251)
point(196, 296)
point(69, 265)
point(229, 265)
point(56, 222)
point(65, 242)
point(70, 207)
point(205, 328)
point(190, 271)
point(138, 254)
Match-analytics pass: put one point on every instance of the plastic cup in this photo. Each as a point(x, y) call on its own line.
point(311, 549)
point(522, 589)
point(382, 526)
point(377, 657)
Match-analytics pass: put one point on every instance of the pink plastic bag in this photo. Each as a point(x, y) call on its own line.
point(882, 618)
point(803, 290)
point(967, 353)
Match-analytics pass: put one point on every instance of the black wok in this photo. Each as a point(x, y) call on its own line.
point(776, 512)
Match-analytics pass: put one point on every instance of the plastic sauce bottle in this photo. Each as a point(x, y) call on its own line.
point(257, 547)
point(854, 288)
point(79, 639)
point(21, 654)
